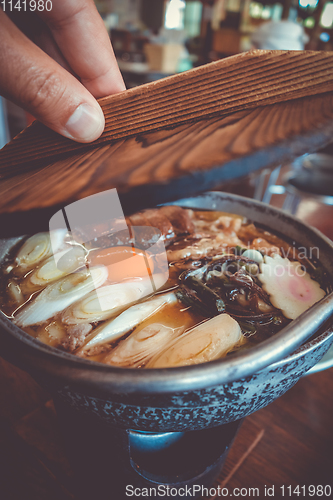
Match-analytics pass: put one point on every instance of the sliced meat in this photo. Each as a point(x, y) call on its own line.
point(264, 247)
point(138, 219)
point(179, 218)
point(76, 335)
point(228, 224)
point(157, 219)
point(153, 218)
point(171, 221)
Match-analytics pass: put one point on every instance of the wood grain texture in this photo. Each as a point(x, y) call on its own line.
point(164, 165)
point(250, 79)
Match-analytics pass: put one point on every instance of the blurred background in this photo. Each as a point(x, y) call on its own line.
point(156, 38)
point(152, 38)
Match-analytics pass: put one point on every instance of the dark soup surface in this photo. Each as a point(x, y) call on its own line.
point(216, 284)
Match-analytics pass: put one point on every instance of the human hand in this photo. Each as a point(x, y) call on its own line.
point(58, 77)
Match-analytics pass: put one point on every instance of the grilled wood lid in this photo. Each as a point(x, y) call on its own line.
point(175, 137)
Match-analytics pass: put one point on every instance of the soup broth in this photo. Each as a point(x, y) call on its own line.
point(231, 285)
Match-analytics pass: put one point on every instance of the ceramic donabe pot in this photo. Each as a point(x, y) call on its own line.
point(193, 397)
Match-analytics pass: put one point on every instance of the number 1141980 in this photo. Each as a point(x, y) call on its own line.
point(306, 491)
point(26, 5)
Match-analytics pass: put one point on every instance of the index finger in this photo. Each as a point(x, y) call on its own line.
point(82, 38)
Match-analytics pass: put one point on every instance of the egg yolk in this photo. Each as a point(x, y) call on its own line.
point(123, 262)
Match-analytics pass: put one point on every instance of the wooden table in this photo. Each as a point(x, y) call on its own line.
point(290, 442)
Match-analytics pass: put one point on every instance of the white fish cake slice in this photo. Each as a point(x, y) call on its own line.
point(291, 289)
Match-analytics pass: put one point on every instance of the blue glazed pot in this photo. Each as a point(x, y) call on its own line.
point(193, 397)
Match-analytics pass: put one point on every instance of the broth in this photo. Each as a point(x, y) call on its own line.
point(230, 287)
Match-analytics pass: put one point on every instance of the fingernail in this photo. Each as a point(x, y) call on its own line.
point(86, 123)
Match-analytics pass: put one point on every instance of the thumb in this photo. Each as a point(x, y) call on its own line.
point(34, 81)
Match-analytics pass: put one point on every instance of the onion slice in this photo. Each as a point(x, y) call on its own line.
point(59, 295)
point(109, 300)
point(126, 321)
point(141, 345)
point(205, 342)
point(50, 270)
point(37, 248)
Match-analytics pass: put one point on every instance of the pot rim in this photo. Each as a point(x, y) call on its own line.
point(68, 368)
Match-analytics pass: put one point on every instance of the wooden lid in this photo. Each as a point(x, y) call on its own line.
point(175, 137)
